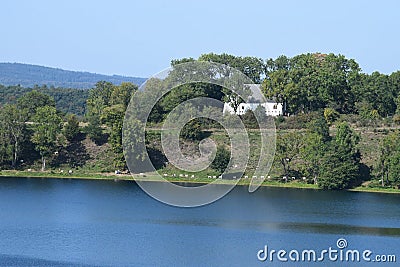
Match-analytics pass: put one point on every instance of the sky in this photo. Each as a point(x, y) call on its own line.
point(140, 38)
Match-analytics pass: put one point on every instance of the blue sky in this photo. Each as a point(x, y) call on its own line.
point(139, 38)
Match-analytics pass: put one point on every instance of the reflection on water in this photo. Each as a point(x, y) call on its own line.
point(98, 223)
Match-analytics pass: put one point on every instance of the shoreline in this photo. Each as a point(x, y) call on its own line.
point(125, 177)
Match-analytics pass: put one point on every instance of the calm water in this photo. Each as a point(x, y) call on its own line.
point(99, 223)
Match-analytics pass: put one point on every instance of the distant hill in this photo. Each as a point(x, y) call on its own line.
point(28, 75)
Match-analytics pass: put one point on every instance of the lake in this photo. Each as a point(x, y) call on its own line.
point(53, 222)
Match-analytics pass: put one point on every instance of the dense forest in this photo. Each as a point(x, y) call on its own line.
point(27, 75)
point(67, 100)
point(343, 128)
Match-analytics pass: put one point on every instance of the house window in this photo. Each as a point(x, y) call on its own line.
point(275, 106)
point(242, 107)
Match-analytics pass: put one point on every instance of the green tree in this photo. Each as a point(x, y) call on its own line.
point(309, 82)
point(389, 159)
point(378, 91)
point(313, 152)
point(47, 126)
point(134, 145)
point(338, 170)
point(5, 144)
point(33, 100)
point(221, 160)
point(113, 117)
point(14, 125)
point(340, 167)
point(320, 127)
point(192, 130)
point(71, 129)
point(122, 94)
point(288, 146)
point(94, 130)
point(99, 97)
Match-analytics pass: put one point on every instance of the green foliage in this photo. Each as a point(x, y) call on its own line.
point(252, 67)
point(67, 100)
point(310, 82)
point(313, 152)
point(71, 129)
point(338, 170)
point(13, 131)
point(320, 127)
point(33, 100)
point(113, 117)
point(99, 98)
point(288, 146)
point(340, 167)
point(221, 160)
point(192, 130)
point(347, 140)
point(330, 115)
point(94, 130)
point(379, 92)
point(122, 94)
point(134, 142)
point(388, 165)
point(47, 129)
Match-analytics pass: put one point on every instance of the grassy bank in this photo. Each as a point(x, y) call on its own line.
point(181, 180)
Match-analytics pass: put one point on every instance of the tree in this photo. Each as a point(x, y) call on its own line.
point(320, 127)
point(71, 129)
point(134, 145)
point(389, 159)
point(99, 97)
point(313, 152)
point(340, 167)
point(122, 94)
point(47, 126)
point(94, 130)
point(221, 160)
point(338, 170)
point(378, 91)
point(347, 140)
point(309, 82)
point(236, 91)
point(191, 130)
point(33, 100)
point(287, 148)
point(113, 117)
point(5, 144)
point(13, 120)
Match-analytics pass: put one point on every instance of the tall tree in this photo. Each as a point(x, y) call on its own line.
point(389, 159)
point(122, 94)
point(71, 129)
point(113, 117)
point(14, 120)
point(340, 168)
point(47, 126)
point(33, 100)
point(288, 146)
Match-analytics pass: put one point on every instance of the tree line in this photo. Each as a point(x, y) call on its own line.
point(34, 128)
point(67, 100)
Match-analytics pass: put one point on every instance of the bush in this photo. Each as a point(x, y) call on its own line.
point(299, 121)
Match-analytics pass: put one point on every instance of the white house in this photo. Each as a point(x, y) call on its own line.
point(272, 108)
